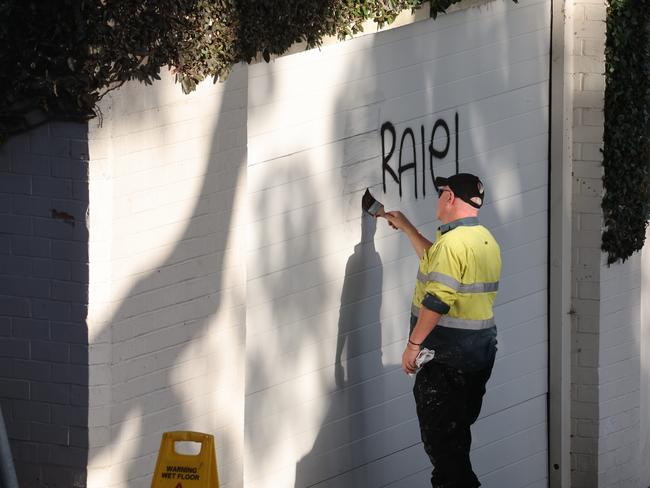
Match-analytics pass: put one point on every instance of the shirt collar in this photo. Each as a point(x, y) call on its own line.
point(469, 221)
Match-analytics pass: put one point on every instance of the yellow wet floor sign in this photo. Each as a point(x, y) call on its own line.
point(175, 470)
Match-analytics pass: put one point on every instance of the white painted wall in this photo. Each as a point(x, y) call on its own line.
point(619, 374)
point(196, 243)
point(644, 416)
point(43, 296)
point(586, 68)
point(166, 313)
point(607, 335)
point(328, 291)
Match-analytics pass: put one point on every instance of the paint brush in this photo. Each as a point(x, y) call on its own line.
point(372, 206)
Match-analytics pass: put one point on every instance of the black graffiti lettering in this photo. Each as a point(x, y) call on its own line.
point(404, 161)
point(456, 132)
point(435, 152)
point(406, 167)
point(387, 126)
point(424, 179)
point(431, 158)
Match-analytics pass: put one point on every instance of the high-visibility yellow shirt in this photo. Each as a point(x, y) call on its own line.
point(458, 277)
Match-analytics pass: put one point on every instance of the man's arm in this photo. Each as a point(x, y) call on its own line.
point(427, 320)
point(398, 220)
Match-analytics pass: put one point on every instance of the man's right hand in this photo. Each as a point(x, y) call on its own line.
point(397, 220)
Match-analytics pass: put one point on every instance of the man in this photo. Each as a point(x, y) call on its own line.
point(451, 314)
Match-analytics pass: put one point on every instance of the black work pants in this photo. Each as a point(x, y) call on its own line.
point(448, 402)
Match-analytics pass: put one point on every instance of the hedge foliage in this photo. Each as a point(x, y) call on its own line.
point(60, 57)
point(626, 149)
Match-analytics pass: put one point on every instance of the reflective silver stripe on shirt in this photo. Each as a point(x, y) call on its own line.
point(440, 278)
point(456, 285)
point(415, 310)
point(479, 287)
point(455, 323)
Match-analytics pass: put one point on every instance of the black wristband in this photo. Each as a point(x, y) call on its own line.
point(414, 344)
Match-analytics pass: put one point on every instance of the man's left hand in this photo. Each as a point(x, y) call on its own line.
point(408, 359)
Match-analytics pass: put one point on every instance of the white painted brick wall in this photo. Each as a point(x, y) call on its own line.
point(606, 300)
point(329, 291)
point(644, 362)
point(167, 315)
point(586, 136)
point(43, 292)
point(164, 347)
point(587, 63)
point(619, 409)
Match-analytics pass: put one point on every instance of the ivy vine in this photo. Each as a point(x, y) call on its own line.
point(626, 149)
point(60, 57)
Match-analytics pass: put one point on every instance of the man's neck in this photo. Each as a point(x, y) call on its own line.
point(461, 213)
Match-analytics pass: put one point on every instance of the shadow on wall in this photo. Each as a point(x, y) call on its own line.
point(282, 338)
point(367, 438)
point(174, 364)
point(43, 296)
point(358, 284)
point(359, 336)
point(645, 361)
point(316, 391)
point(319, 392)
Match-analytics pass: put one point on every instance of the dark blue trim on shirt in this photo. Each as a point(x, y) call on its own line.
point(432, 302)
point(469, 221)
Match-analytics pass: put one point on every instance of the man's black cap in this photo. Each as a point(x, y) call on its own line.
point(465, 186)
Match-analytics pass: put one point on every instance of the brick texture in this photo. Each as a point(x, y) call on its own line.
point(587, 188)
point(605, 301)
point(166, 299)
point(117, 328)
point(40, 301)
